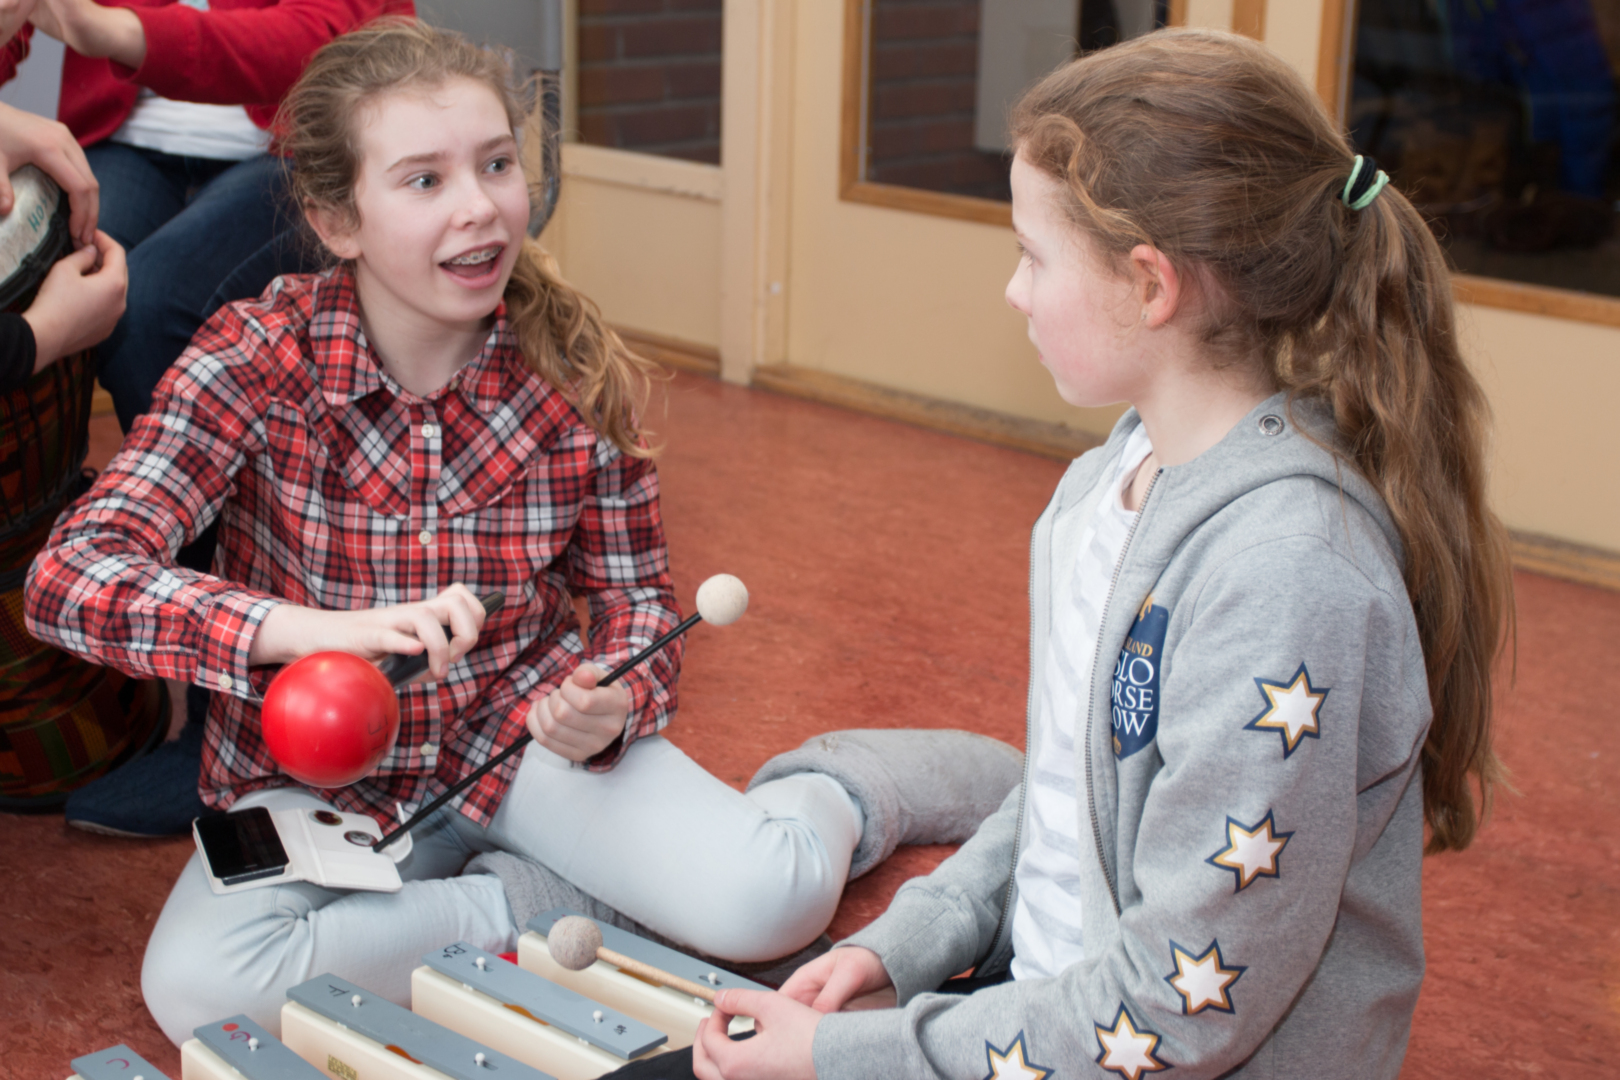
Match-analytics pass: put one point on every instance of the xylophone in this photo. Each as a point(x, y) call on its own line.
point(472, 1014)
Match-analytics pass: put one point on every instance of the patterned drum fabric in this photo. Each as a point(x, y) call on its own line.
point(63, 721)
point(44, 433)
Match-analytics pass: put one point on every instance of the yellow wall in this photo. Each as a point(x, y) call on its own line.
point(914, 302)
point(1553, 385)
point(641, 237)
point(907, 300)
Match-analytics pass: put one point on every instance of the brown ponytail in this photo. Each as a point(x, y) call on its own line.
point(1213, 150)
point(560, 332)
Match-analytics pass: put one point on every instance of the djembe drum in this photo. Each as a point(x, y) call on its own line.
point(63, 721)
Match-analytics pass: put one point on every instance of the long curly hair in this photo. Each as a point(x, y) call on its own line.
point(560, 332)
point(1213, 150)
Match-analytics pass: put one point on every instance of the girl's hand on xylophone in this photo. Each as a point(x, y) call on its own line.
point(784, 1032)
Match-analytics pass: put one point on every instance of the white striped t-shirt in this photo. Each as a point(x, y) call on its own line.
point(1046, 920)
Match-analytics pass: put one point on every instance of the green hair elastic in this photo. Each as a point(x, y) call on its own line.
point(1365, 182)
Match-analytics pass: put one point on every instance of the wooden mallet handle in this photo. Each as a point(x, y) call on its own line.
point(657, 975)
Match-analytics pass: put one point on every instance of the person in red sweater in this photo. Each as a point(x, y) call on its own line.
point(172, 102)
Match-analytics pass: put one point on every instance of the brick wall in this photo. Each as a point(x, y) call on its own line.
point(925, 60)
point(649, 76)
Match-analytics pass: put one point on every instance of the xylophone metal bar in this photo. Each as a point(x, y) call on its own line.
point(114, 1063)
point(238, 1048)
point(670, 1011)
point(353, 1033)
point(526, 1017)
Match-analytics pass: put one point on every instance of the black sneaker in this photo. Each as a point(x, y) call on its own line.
point(155, 795)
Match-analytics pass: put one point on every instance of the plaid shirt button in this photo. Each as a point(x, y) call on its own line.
point(425, 536)
point(226, 682)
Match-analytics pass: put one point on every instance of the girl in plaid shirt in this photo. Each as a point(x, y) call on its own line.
point(439, 415)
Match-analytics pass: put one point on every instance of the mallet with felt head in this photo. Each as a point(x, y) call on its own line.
point(576, 943)
point(721, 600)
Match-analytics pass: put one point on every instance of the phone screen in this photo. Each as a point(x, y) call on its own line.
point(241, 846)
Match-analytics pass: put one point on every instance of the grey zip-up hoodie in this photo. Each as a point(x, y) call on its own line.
point(1247, 770)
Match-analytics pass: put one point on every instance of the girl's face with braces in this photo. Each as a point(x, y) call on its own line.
point(442, 203)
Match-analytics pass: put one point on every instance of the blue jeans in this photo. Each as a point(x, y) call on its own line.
point(200, 233)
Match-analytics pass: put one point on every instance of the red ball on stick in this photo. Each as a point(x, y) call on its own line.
point(329, 719)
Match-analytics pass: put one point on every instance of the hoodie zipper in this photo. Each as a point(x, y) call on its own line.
point(1091, 703)
point(1023, 788)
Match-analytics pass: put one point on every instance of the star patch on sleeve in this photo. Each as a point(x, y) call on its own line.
point(1203, 981)
point(1251, 852)
point(1012, 1063)
point(1127, 1051)
point(1292, 709)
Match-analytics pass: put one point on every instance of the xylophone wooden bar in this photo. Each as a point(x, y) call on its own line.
point(671, 1012)
point(352, 1034)
point(483, 997)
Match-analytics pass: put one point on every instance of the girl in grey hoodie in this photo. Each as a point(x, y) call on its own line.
point(1262, 619)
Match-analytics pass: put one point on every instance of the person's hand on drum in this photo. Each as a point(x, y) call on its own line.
point(26, 139)
point(89, 29)
point(290, 631)
point(79, 302)
point(579, 719)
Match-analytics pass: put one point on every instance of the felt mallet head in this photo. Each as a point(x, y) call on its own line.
point(573, 942)
point(722, 599)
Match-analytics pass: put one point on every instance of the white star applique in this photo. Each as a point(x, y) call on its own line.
point(1292, 709)
point(1251, 852)
point(1202, 981)
point(1011, 1064)
point(1127, 1051)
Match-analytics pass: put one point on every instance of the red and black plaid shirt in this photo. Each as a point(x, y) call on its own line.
point(335, 488)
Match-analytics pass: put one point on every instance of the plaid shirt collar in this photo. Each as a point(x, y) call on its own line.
point(348, 368)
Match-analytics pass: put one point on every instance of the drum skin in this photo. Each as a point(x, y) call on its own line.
point(63, 721)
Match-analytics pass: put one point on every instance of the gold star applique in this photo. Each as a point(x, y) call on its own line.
point(1127, 1051)
point(1012, 1064)
point(1202, 981)
point(1291, 710)
point(1251, 852)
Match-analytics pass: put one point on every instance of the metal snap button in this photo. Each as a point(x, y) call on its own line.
point(1271, 424)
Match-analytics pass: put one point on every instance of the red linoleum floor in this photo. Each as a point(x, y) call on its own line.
point(887, 568)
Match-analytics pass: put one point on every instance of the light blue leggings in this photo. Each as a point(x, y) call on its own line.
point(745, 877)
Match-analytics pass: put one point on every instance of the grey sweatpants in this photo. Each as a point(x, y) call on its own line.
point(743, 877)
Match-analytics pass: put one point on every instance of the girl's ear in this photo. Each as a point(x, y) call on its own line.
point(1158, 283)
point(336, 233)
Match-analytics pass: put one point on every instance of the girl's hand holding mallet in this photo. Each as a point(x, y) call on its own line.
point(581, 718)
